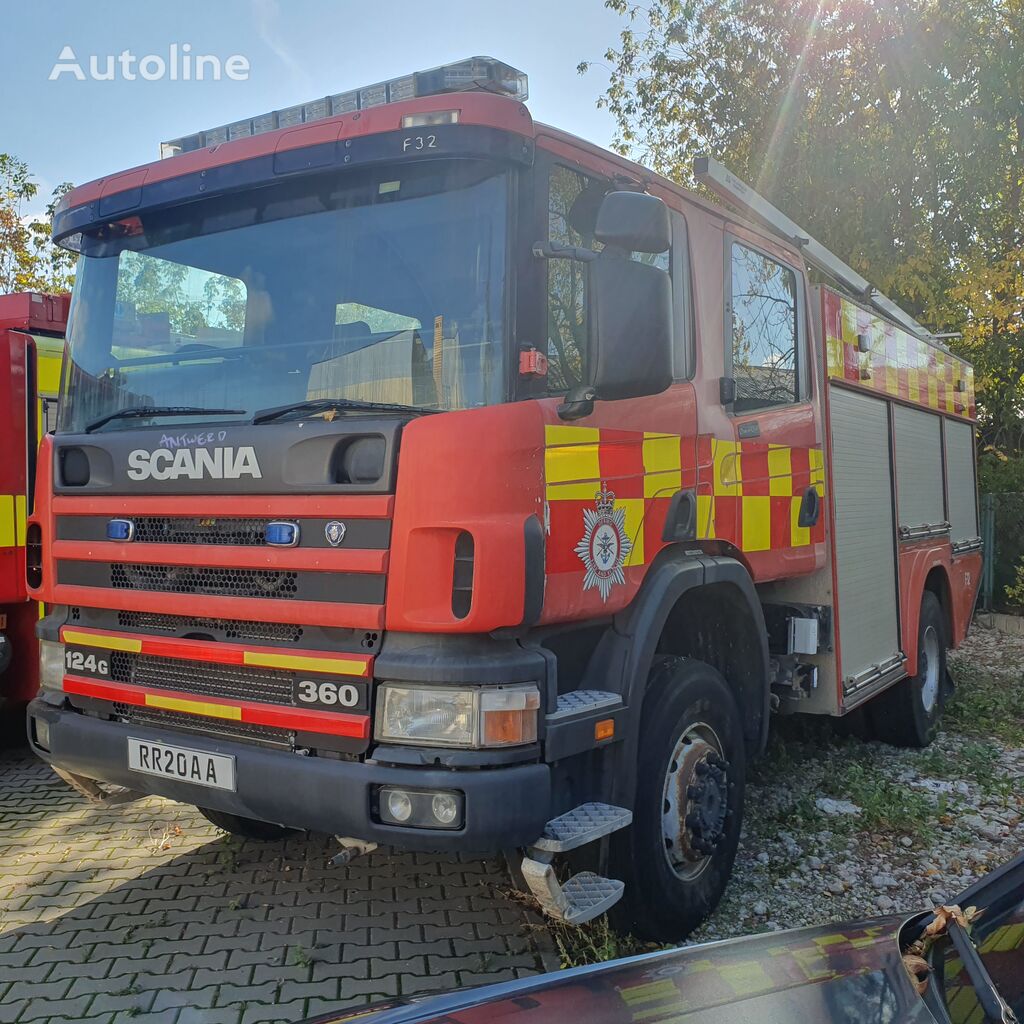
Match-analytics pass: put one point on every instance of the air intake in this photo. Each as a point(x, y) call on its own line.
point(462, 575)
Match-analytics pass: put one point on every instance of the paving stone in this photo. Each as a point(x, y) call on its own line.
point(103, 925)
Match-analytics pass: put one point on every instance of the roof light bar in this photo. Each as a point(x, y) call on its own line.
point(474, 73)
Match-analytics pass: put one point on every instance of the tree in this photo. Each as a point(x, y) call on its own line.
point(29, 261)
point(891, 129)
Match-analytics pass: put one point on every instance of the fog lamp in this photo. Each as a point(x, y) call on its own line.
point(399, 805)
point(420, 808)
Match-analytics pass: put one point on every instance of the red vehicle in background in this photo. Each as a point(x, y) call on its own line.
point(31, 346)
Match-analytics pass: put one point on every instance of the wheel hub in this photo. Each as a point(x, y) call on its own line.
point(695, 808)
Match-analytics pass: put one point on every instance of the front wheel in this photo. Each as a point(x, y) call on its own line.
point(907, 714)
point(677, 856)
point(250, 828)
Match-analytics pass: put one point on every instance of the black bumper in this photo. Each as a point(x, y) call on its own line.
point(504, 807)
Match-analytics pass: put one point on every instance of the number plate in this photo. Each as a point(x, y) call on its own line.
point(196, 766)
point(329, 694)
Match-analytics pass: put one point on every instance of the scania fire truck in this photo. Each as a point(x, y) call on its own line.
point(433, 478)
point(31, 346)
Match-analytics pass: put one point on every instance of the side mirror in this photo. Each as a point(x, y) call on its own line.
point(633, 222)
point(629, 305)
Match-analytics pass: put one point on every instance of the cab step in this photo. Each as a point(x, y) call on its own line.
point(584, 702)
point(584, 897)
point(580, 826)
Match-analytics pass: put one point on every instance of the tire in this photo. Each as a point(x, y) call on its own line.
point(691, 758)
point(907, 714)
point(250, 828)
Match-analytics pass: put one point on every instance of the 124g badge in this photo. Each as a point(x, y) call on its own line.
point(79, 661)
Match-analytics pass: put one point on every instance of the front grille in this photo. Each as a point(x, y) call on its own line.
point(232, 629)
point(205, 679)
point(176, 579)
point(261, 735)
point(196, 530)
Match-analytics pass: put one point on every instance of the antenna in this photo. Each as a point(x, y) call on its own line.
point(708, 171)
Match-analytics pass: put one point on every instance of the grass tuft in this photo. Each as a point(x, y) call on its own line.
point(986, 705)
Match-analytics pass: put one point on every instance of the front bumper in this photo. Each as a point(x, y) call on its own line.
point(504, 807)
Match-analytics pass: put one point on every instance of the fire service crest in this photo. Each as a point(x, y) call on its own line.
point(604, 545)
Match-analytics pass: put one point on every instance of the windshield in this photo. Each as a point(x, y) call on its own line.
point(381, 286)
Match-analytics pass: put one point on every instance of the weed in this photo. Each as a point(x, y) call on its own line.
point(129, 990)
point(594, 943)
point(299, 956)
point(886, 806)
point(133, 1011)
point(986, 705)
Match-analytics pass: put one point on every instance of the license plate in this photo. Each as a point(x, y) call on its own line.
point(197, 766)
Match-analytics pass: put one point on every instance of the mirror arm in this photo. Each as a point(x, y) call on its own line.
point(579, 402)
point(544, 250)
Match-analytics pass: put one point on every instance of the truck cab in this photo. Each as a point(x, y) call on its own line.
point(431, 477)
point(31, 347)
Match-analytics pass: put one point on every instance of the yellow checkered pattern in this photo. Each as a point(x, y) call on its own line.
point(12, 520)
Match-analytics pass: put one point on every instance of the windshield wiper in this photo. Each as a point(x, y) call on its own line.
point(143, 411)
point(314, 405)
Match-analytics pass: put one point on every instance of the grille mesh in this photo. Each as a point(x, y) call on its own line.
point(195, 530)
point(262, 735)
point(205, 679)
point(174, 579)
point(233, 629)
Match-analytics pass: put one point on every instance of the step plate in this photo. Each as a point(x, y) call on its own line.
point(581, 702)
point(588, 896)
point(580, 826)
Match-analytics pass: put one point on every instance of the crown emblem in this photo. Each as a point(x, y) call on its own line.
point(604, 546)
point(604, 501)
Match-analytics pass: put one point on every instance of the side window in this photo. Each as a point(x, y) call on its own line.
point(573, 199)
point(764, 330)
point(573, 202)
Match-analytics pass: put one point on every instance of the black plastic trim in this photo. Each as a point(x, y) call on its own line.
point(505, 807)
point(533, 601)
point(452, 141)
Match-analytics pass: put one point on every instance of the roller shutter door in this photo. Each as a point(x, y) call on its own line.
point(864, 536)
point(960, 482)
point(918, 449)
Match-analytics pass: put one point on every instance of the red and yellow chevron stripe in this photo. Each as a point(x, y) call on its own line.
point(896, 363)
point(358, 666)
point(249, 712)
point(748, 492)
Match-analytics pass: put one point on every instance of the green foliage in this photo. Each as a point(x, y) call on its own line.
point(595, 943)
point(29, 261)
point(894, 132)
point(986, 706)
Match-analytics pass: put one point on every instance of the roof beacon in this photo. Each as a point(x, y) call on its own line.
point(474, 73)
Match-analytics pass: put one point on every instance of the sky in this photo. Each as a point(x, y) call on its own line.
point(297, 50)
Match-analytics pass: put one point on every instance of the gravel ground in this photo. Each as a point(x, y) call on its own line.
point(837, 828)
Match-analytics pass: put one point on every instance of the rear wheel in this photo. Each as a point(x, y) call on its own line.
point(677, 856)
point(250, 828)
point(907, 714)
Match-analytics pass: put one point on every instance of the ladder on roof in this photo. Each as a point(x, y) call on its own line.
point(708, 171)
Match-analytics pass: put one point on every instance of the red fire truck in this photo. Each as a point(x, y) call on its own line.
point(31, 345)
point(433, 478)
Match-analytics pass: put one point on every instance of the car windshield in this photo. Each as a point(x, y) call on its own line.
point(383, 286)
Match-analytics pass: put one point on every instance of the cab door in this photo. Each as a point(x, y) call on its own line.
point(768, 473)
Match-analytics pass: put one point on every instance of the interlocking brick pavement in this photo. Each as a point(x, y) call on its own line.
point(143, 911)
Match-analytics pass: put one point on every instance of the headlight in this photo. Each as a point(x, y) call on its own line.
point(477, 717)
point(51, 665)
